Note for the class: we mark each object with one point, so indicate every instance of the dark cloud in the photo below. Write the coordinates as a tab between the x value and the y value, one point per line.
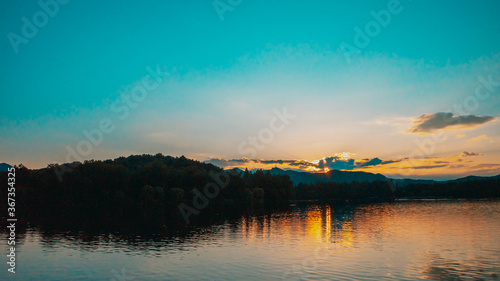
300	163
428	123
426	167
235	162
392	161
335	163
373	162
332	163
276	161
227	163
466	154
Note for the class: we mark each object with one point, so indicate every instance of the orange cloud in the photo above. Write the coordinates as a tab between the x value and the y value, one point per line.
479	138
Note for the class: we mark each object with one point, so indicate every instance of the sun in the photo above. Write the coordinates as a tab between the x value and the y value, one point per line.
327	170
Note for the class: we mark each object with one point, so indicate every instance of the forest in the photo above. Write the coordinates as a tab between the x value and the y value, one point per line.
156	190
385	191
142	189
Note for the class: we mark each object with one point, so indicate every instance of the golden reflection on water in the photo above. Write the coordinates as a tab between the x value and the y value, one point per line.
314	227
431	240
427	240
320	229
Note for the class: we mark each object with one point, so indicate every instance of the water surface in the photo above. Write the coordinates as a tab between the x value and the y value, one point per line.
406	240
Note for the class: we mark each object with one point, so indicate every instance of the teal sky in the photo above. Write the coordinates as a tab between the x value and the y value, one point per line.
226	77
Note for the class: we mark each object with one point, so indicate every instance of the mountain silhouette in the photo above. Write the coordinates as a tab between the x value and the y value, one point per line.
474	178
330	176
4	167
349	176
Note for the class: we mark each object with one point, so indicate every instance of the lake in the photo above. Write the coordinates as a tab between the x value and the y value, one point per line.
405	240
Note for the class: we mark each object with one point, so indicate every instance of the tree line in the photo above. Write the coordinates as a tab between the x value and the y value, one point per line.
148	190
143	188
384	191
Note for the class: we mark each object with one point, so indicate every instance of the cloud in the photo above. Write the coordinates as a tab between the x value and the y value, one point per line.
227	163
426	167
466	154
428	123
278	162
392	161
479	138
461	163
341	161
335	163
373	162
486	165
223	163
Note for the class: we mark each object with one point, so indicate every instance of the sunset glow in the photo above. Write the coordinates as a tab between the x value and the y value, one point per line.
259	101
250	140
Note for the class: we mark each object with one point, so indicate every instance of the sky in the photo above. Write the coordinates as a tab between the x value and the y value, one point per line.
403	88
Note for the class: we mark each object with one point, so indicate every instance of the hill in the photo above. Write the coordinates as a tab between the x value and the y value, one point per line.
331	176
474	178
4	167
139	189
